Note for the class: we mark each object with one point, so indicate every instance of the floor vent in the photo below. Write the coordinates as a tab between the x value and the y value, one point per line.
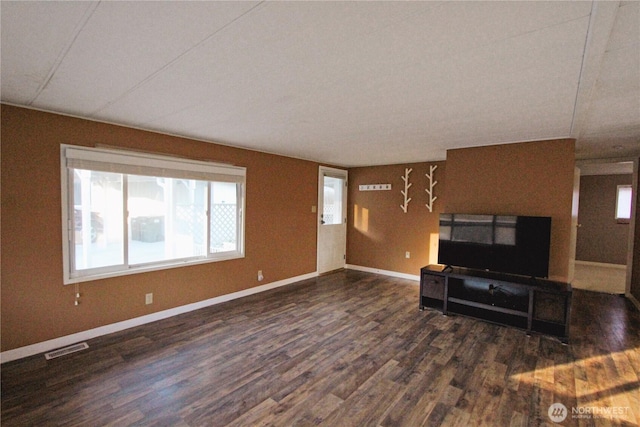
66	350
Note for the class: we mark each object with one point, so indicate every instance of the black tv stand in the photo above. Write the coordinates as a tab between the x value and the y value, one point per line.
529	303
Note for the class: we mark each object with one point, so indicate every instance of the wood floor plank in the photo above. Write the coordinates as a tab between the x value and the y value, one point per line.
367	404
348	348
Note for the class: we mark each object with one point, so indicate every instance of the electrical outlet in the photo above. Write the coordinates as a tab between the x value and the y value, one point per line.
260	276
148	299
407	254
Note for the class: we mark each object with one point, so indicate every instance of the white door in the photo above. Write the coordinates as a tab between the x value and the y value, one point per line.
332	219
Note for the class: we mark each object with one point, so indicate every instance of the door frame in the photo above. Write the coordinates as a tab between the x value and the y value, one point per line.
634	213
573	235
632	230
337	173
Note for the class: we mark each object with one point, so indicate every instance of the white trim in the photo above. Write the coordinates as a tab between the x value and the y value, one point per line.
633	299
42	347
334	173
136	162
162	132
413	277
632	230
437	157
159	266
601	264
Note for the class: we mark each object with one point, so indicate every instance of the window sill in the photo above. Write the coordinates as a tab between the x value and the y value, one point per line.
89	277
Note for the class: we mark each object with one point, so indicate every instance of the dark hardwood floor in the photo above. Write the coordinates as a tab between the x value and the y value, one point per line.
346	349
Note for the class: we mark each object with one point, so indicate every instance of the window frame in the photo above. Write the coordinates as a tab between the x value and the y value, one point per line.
619	219
125	162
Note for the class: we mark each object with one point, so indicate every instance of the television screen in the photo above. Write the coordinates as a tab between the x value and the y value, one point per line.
503	243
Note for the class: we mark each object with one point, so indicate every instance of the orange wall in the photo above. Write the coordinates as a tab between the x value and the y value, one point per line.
36	306
531	178
379	232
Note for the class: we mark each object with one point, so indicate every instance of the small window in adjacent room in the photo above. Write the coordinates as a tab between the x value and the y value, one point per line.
623	204
127	212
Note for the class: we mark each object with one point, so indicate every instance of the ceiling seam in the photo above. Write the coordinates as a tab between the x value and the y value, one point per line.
572	130
174	60
63	53
601	23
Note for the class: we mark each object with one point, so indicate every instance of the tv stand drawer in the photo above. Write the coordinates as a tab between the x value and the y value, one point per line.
432	291
432	287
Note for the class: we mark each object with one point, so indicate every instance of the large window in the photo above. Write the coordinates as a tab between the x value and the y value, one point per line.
127	212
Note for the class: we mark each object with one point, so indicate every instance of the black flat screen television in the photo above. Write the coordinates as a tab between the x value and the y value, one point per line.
502	243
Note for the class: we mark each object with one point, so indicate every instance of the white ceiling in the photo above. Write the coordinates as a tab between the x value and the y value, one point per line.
346	83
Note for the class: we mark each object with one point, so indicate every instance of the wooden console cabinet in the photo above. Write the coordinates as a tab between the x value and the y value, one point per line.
532	304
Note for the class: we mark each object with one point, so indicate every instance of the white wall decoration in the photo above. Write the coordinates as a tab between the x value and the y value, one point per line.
374	187
405	192
429	189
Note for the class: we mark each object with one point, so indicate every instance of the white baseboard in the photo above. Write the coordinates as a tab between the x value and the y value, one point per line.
633	300
42	347
413	277
601	264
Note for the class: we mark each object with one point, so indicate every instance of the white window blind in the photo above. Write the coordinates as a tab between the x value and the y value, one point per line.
150	165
